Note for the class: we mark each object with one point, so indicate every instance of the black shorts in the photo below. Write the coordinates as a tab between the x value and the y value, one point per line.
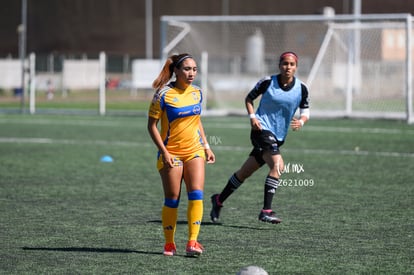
264	141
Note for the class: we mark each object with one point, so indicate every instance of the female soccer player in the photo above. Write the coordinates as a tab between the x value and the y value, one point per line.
282	95
182	147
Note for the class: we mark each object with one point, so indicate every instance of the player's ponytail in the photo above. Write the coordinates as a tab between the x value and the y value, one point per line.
167	71
165	74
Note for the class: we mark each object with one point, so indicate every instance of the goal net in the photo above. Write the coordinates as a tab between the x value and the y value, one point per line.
353	66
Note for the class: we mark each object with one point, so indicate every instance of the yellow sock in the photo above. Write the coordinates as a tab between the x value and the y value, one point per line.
194	216
169	223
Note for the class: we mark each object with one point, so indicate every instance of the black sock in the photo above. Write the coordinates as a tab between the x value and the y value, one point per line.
230	187
271	184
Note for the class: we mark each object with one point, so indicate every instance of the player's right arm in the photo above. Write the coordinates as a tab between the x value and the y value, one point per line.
154	115
258	89
254	122
156	137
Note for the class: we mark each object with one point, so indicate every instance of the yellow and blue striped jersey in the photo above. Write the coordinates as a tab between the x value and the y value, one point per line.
179	113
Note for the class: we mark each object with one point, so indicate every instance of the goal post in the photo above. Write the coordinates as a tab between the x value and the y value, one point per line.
354	66
409	69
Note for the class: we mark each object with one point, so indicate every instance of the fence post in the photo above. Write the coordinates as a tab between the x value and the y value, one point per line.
102	84
32	79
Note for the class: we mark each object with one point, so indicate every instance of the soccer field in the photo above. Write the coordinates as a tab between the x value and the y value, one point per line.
346	199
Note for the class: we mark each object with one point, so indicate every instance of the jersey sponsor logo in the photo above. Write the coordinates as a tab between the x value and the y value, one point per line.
183	113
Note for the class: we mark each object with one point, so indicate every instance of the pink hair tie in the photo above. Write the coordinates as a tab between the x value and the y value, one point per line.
285	54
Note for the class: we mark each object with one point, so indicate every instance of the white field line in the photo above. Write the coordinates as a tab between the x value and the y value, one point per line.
218	147
71	142
320	129
74	122
207	125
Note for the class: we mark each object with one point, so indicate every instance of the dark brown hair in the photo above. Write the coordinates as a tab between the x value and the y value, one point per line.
283	55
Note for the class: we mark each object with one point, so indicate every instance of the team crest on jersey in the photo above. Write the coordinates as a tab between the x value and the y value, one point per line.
195	96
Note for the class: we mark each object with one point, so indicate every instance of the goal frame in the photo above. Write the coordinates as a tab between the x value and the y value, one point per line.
168	47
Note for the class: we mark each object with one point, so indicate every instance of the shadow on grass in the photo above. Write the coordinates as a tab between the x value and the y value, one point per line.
221	224
89	249
97	250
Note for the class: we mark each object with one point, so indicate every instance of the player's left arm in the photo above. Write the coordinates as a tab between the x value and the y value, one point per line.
210	157
304	111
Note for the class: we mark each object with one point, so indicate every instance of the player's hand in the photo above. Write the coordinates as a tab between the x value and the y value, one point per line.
255	124
210	157
295	124
168	160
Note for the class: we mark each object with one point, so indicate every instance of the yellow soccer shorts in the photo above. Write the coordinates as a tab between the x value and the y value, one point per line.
179	160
